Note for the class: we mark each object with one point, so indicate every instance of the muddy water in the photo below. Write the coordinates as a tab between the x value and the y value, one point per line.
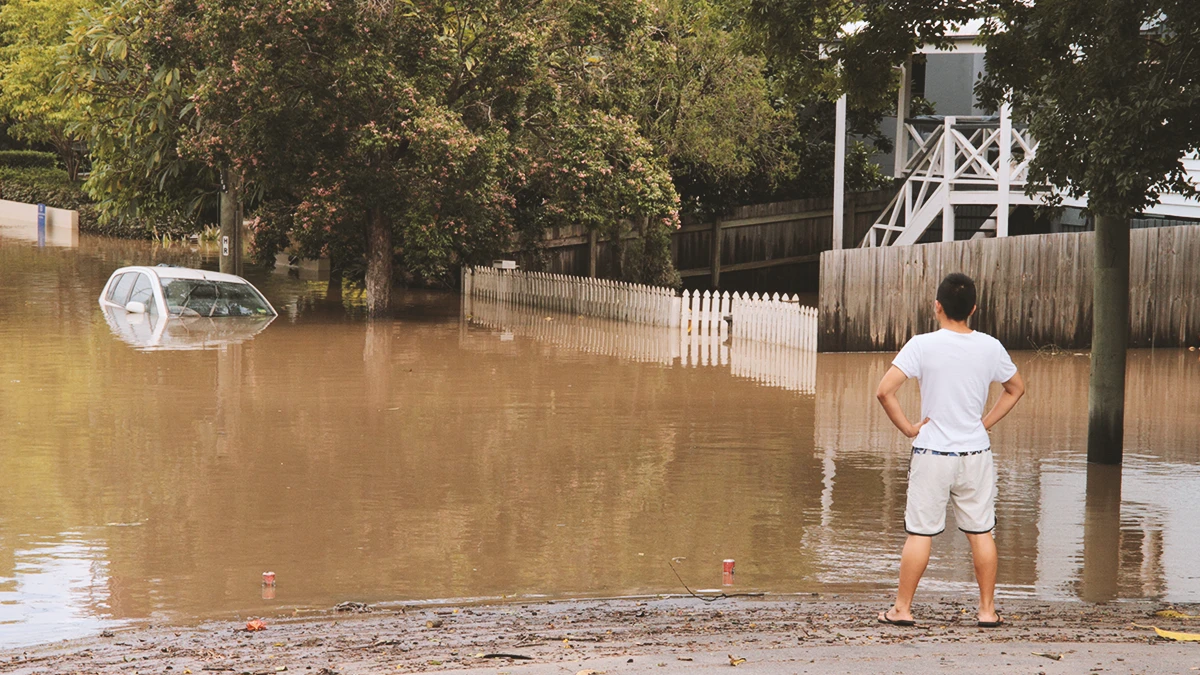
485	452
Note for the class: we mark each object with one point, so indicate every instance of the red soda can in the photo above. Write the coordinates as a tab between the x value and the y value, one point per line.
268	578
727	566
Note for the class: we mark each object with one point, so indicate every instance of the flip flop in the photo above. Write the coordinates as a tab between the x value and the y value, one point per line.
991	624
883	618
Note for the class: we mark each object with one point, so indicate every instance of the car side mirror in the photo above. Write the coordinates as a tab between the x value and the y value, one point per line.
135	307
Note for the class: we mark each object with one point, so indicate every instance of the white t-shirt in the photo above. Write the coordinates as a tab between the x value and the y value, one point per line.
954	371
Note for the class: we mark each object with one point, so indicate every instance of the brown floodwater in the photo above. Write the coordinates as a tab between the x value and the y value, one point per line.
488	452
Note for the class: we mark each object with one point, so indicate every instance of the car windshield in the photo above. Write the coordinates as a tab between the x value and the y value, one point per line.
201	297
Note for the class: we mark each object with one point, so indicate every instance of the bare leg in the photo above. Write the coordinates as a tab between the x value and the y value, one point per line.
983	551
913	561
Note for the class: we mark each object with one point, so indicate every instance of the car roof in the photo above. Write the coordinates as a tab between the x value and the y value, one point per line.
172	272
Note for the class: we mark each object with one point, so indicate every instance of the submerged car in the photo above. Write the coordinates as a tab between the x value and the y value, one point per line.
183	292
171	308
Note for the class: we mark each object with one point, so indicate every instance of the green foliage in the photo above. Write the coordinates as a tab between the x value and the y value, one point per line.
53	187
444	118
132	104
1111	90
702	100
30	33
468	125
20	159
41	185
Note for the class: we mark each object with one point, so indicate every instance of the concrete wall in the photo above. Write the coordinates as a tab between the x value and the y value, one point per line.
19	221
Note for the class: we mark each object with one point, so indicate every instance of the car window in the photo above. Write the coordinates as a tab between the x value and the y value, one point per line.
120	290
202	297
143	292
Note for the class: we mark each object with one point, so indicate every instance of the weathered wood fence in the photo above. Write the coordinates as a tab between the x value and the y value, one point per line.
777	319
748	238
1034	291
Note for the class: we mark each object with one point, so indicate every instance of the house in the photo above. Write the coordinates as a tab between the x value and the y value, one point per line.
961	172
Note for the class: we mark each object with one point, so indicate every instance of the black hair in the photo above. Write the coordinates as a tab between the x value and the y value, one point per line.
957	295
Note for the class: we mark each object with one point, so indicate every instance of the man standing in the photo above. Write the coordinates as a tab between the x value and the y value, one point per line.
951	451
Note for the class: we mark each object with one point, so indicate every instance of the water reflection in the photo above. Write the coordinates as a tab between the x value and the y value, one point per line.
773	365
53	589
154	332
438	457
51	235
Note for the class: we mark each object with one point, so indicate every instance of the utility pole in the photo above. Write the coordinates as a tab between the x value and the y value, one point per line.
231	223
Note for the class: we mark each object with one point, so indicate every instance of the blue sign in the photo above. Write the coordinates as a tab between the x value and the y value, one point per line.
41	224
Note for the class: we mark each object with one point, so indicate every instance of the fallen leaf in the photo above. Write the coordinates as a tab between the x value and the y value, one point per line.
256	625
733	661
1172	635
1056	657
433	623
434	663
1172	614
683	658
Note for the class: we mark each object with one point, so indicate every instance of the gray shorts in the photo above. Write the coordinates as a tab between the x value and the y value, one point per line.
965	480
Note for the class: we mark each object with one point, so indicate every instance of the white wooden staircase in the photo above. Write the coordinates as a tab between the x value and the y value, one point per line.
979	161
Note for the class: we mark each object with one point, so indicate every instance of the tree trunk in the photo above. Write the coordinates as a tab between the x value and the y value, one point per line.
1110	339
379	264
231	223
67	153
333	291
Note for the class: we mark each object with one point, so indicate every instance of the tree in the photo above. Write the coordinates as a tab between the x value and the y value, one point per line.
130	100
418	132
30	33
1111	90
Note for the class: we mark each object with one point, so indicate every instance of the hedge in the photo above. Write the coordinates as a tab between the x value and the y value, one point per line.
23	159
52	187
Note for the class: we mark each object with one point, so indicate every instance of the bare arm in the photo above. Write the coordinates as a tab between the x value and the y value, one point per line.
1014	389
886	393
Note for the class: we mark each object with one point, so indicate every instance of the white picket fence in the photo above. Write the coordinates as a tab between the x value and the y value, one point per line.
634	303
780	320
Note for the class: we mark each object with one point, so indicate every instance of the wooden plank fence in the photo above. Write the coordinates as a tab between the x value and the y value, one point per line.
776	319
1034	291
747	238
